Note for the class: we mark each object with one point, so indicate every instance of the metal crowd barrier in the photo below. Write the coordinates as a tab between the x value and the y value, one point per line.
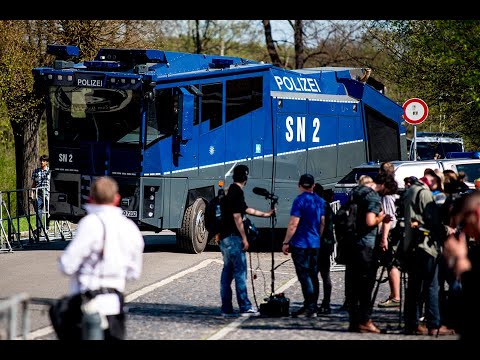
21	204
14	206
9	312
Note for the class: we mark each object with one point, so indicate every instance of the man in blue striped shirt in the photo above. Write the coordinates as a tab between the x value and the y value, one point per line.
41	181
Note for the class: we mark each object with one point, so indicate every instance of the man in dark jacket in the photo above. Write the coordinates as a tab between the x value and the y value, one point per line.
424	236
362	266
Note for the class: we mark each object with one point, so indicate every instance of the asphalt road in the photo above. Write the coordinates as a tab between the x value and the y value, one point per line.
177	297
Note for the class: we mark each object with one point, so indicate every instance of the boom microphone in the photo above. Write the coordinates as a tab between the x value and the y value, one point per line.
264	192
261	191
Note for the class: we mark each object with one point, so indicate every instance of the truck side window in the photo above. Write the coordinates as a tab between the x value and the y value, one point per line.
166	106
243	96
212	104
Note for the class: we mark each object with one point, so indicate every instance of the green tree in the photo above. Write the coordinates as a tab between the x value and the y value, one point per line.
23	107
436	60
22	47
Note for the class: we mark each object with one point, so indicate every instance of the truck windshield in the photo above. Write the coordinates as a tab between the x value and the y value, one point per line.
86	114
427	150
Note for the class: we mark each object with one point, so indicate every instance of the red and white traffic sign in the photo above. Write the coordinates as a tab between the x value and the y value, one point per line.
415	111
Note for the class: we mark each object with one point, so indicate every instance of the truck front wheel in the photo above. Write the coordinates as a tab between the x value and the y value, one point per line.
192	237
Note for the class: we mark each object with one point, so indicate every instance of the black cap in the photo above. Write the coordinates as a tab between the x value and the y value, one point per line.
306	181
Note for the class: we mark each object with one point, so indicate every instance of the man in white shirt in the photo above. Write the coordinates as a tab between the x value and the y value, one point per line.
106	251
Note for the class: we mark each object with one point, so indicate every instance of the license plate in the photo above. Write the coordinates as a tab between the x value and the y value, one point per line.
130	213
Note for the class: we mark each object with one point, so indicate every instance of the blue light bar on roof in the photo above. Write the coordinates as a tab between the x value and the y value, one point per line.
155	56
221	63
63	52
131	56
463	154
102	65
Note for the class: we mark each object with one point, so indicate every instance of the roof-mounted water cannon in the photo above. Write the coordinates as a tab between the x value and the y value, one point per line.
63	52
65	55
136	59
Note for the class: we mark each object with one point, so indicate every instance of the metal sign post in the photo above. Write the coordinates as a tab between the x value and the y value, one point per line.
415	111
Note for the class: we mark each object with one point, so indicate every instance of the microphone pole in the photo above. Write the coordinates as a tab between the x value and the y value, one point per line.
273	201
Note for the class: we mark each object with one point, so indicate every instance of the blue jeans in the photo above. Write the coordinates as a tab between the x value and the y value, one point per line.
234	267
422	288
306	267
40	208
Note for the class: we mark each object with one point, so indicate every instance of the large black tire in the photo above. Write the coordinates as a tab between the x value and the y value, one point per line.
192	237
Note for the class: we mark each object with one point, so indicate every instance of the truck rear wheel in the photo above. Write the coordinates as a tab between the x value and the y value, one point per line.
192	237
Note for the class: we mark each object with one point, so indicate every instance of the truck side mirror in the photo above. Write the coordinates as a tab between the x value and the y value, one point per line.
186	114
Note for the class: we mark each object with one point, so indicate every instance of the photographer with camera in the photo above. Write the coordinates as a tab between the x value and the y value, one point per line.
234	244
361	268
302	240
424	235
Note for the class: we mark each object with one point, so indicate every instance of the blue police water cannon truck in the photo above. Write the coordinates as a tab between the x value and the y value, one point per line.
169	126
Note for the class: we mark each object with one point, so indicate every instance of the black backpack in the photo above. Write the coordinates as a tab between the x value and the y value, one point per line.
213	214
346	228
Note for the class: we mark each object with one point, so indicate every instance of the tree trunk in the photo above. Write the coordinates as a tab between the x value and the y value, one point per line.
299	47
198	42
26	157
272	51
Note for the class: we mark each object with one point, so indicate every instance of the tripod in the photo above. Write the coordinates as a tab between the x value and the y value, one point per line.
387	266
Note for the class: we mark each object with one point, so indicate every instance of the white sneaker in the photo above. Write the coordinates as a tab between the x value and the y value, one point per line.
250	312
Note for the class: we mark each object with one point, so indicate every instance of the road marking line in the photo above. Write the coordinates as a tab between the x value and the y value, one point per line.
230	327
287	285
166	281
235	324
49	329
40	332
